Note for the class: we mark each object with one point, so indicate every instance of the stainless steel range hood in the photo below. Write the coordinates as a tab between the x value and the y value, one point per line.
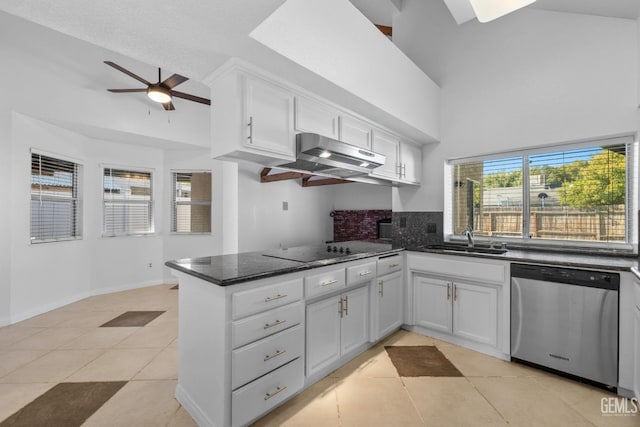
318	154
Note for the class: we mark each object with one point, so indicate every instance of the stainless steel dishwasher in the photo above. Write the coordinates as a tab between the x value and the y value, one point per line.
566	320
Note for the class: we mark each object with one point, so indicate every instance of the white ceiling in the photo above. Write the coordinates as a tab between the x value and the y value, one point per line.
613	8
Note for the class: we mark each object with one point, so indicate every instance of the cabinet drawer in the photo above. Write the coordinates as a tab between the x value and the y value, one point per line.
361	273
264	298
260	396
262	325
389	264
256	359
324	282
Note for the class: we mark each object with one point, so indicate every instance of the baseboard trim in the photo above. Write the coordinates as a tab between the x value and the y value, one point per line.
190	406
27	314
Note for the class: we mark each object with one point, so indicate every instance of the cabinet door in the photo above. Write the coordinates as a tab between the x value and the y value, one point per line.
386	144
323	334
390	312
312	116
268	114
355	132
475	313
410	162
355	321
432	303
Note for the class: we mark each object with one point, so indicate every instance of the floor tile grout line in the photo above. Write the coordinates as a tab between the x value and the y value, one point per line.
502	416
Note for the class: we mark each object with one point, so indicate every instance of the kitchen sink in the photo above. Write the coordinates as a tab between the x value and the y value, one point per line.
454	247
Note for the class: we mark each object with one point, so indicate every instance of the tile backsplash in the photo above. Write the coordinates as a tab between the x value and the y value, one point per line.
357	224
413	229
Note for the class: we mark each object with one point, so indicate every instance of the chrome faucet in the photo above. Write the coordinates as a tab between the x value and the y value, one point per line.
469	233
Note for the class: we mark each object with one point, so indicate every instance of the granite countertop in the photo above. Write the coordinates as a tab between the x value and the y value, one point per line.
618	262
225	270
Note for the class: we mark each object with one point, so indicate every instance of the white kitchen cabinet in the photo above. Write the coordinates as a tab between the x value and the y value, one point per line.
355	132
388	145
432	303
315	117
465	310
268	113
410	164
389	300
336	326
475	315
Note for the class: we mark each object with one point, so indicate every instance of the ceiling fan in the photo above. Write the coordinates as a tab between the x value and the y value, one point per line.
162	91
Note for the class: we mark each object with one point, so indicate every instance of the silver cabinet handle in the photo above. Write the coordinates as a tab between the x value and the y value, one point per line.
276	354
455	292
448	291
276	323
250	125
328	282
274	392
275	297
403	170
381	288
346	305
394	265
365	273
340	307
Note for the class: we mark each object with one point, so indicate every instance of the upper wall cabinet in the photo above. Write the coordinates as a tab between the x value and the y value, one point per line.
268	113
255	118
315	117
252	119
355	132
388	145
403	162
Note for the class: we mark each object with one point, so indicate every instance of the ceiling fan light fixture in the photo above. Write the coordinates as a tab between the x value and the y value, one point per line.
488	10
159	94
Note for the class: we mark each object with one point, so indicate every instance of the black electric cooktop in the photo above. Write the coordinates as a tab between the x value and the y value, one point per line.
334	250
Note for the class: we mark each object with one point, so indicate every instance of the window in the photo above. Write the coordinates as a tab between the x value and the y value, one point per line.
55	201
191	202
579	193
127	202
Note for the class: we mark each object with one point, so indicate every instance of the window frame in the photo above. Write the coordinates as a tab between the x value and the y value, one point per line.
151	202
174	203
631	202
76	199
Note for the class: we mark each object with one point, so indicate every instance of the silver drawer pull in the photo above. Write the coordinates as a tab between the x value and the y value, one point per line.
276	354
328	282
394	265
269	299
365	273
276	323
274	392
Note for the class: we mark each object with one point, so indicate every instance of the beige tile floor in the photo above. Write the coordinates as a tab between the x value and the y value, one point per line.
68	345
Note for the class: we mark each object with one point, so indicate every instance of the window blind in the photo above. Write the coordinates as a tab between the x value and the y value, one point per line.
127	202
191	202
55	202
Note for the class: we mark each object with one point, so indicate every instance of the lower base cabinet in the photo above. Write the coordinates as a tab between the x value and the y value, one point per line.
336	326
390	303
462	309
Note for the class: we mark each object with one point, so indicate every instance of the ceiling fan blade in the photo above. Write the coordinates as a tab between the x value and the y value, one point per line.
168	106
127	72
174	81
126	90
190	97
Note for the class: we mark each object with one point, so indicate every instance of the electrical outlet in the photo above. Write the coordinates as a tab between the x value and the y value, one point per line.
431	227
403	222
149	265
285	206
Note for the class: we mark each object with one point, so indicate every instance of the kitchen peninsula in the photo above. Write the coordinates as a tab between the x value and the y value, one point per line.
256	328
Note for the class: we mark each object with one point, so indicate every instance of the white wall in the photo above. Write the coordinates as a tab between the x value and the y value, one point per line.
530	78
359	196
263	222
